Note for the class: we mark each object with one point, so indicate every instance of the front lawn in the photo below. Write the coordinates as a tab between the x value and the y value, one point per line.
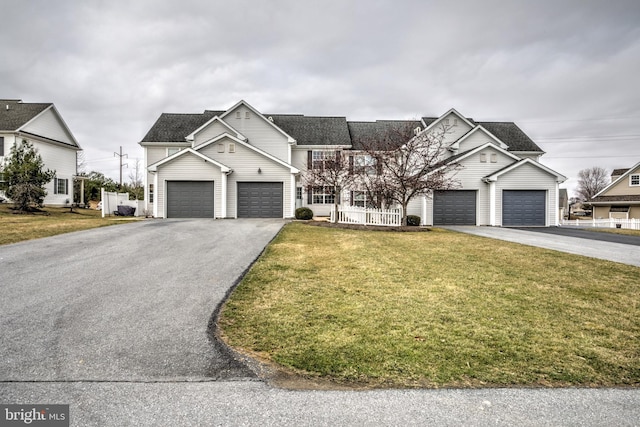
436	309
49	222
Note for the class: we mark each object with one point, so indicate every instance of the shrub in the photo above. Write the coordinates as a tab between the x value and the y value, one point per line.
304	213
413	220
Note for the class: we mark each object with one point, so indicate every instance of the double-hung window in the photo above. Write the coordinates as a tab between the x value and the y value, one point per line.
365	164
60	186
319	158
323	196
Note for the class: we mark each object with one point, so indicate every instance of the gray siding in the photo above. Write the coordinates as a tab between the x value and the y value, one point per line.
214	129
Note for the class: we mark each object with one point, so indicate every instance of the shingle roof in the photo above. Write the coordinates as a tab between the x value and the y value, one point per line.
381	132
308	130
604	199
618	172
312	130
171	127
512	135
18	113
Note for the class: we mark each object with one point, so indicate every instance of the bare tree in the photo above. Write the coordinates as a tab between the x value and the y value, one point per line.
590	182
408	163
329	174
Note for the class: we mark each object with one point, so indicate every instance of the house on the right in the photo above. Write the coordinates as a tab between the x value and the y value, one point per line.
621	198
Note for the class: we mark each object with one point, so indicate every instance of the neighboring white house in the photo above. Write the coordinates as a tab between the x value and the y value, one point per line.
242	163
42	125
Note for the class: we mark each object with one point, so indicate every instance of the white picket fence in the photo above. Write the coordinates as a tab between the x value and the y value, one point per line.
366	216
631	224
110	202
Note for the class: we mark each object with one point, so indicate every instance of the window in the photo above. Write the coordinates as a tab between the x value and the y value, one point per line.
483	158
1	146
634	179
320	157
494	158
246	115
172	150
299	193
237	114
232	147
446	122
221	147
323	196
60	186
455	122
364	164
359	198
150	193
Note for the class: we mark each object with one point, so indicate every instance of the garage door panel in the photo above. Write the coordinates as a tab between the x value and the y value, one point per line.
524	208
190	199
260	200
454	207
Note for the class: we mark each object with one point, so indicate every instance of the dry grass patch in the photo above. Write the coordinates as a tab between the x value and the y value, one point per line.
49	222
436	309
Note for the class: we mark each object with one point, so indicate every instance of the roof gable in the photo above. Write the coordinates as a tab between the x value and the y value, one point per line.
154	167
215	119
14	113
631	171
243	103
476	130
495	175
248	146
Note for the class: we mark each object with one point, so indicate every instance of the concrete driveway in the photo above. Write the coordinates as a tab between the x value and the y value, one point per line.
623	249
125	303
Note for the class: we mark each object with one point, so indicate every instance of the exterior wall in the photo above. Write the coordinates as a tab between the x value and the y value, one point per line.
603	212
187	168
477	139
214	129
634	212
623	188
49	125
528	177
245	164
455	131
299	158
600	212
259	132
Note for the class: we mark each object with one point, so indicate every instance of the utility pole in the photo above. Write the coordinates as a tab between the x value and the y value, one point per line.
121	165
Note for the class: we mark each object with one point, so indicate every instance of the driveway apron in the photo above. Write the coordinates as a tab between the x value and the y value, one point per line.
124	303
575	242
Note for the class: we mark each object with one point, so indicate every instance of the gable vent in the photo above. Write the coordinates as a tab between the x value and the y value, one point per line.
417	130
270	119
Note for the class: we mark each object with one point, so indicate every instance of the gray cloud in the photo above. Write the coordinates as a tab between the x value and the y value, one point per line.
564	71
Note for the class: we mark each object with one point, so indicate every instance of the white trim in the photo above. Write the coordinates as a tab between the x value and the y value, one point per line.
290	139
631	171
250	147
154	167
439	119
492	203
155	195
293	196
223	195
324	147
191	137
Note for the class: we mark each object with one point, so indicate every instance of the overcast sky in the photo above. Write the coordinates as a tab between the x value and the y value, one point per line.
567	72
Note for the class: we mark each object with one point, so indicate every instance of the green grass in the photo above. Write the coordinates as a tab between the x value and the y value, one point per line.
624	231
436	309
51	221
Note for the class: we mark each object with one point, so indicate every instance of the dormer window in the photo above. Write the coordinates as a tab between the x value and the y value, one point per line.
246	115
483	158
634	179
238	116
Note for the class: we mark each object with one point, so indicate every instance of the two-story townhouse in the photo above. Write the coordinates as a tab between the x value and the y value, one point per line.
42	125
242	163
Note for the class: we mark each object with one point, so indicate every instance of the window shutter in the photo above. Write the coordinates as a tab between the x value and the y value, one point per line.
350	165
55	185
338	195
351	196
309	193
309	159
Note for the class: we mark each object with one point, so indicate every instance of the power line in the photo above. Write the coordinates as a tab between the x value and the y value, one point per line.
121	165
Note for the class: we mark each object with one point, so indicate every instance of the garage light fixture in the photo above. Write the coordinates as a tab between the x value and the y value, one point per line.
259	170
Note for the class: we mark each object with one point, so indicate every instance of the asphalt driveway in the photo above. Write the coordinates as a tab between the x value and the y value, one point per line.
623	249
125	303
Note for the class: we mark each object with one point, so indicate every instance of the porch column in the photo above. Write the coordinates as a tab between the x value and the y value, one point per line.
292	210
223	195
492	203
424	210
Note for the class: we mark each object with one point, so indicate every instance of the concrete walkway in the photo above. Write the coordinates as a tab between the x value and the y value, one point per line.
610	251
